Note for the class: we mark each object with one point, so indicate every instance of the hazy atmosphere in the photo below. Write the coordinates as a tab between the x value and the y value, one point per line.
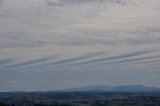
57	44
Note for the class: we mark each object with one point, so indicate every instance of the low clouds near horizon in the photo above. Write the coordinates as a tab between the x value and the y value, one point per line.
112	42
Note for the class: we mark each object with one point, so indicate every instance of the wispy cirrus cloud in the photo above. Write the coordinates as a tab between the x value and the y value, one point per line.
122	58
74	59
4	61
32	62
79	35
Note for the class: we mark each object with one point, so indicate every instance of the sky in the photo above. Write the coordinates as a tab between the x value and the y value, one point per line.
57	44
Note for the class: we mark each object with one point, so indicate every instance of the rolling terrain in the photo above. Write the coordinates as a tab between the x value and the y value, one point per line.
131	95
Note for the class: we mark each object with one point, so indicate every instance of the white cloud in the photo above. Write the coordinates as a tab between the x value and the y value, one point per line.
45	80
154	76
12	82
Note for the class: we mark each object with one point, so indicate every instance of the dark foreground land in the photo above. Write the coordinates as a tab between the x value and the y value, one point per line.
79	99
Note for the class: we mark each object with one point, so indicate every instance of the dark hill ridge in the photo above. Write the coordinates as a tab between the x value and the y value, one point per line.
88	94
93	96
49	98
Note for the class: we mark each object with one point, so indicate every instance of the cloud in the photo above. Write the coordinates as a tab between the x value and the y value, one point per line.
54	36
45	80
100	23
42	24
4	61
154	76
12	82
147	59
31	62
123	56
74	59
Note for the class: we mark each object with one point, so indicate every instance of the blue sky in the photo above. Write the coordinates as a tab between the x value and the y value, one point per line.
54	44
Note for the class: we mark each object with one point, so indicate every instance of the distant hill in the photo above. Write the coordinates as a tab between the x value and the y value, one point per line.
136	88
106	88
100	95
90	88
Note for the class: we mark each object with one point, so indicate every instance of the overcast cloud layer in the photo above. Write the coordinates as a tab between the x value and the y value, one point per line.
52	44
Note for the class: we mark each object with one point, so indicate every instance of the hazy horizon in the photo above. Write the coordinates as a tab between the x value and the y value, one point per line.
58	44
82	88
